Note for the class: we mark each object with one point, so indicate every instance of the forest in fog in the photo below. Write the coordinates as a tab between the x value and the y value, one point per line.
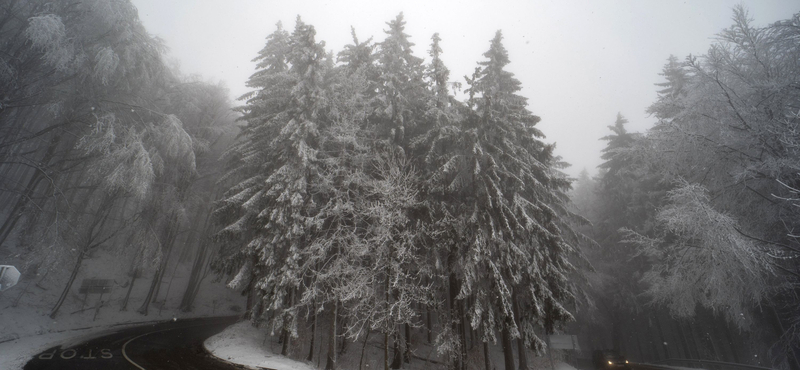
350	193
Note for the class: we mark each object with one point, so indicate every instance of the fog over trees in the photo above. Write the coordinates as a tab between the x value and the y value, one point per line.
702	208
351	194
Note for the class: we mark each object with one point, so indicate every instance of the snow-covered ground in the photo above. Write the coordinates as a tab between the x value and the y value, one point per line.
244	344
27	329
15	353
564	366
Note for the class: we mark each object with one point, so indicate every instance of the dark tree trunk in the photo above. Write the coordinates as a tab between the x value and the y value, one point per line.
92	231
521	354
363	348
15	214
343	325
653	343
661	338
310	356
639	346
143	309
429	323
791	357
455	318
487	362
385	351
169	243
397	358
197	268
194	280
330	363
684	342
731	343
69	284
130	288
508	350
168	237
251	300
407	351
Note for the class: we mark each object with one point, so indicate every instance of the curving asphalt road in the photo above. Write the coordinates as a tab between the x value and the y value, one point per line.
169	345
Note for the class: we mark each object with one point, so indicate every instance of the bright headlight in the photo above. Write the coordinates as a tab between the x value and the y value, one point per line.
626	361
610	363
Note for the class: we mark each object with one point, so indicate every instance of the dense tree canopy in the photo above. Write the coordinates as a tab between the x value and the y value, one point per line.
356	186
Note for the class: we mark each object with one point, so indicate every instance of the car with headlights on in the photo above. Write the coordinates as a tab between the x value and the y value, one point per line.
609	359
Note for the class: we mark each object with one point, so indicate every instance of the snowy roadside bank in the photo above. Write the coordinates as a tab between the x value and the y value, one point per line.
15	353
243	344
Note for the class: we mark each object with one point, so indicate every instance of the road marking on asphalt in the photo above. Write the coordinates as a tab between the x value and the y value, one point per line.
148	333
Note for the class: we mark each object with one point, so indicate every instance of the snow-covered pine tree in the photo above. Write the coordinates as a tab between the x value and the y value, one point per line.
503	208
274	206
673	90
357	55
401	89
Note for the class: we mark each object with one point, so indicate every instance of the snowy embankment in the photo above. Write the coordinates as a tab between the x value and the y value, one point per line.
27	329
15	353
244	344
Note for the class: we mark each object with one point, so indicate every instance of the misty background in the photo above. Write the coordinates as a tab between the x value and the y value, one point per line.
580	62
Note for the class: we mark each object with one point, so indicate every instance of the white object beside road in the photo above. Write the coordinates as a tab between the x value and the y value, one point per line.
9	276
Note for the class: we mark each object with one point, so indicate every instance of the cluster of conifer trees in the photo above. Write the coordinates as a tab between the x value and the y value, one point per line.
362	191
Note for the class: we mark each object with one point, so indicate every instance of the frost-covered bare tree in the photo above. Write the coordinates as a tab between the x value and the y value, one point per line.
91	144
726	140
703	259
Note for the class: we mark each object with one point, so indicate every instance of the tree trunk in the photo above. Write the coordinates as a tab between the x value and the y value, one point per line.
487	362
791	357
16	213
455	319
653	345
251	300
130	288
71	280
684	342
285	332
523	357
330	363
343	324
731	343
143	309
385	351
639	347
508	351
429	323
363	347
33	183
194	279
197	267
397	358
169	243
313	332
407	351
662	340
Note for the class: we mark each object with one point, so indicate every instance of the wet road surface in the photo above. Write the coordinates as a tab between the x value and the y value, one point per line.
173	345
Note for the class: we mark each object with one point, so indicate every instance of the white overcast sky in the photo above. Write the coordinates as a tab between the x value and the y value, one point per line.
580	62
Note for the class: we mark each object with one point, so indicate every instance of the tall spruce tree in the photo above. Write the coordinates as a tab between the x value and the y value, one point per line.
504	205
401	90
275	206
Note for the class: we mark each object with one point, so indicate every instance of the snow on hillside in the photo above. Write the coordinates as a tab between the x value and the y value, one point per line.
244	344
26	328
